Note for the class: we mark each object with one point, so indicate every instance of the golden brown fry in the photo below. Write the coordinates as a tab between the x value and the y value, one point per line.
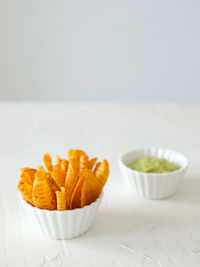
76	199
71	179
97	166
48	162
102	172
78	153
28	175
42	195
91	188
59	175
70	154
92	163
61	199
64	165
67	185
94	182
84	164
58	160
75	154
41	175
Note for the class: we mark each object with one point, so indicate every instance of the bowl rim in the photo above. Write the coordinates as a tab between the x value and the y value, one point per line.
61	211
151	173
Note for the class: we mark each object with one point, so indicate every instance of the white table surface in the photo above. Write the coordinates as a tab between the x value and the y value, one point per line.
127	231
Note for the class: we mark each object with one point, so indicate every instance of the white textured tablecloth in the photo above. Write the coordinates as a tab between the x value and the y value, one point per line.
127	231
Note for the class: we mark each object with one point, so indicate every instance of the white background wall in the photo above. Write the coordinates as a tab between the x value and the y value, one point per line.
139	50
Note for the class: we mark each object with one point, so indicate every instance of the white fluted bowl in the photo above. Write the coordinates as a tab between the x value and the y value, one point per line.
62	224
153	185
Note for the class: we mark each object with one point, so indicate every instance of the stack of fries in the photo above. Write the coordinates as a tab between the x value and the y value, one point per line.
69	184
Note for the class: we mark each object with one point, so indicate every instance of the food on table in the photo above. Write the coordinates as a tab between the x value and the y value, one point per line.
69	184
153	165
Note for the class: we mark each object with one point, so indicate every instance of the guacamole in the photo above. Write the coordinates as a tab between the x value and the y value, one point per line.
153	165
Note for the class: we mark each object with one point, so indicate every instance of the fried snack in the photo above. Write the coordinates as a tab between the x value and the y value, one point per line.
26	190
84	163
78	153
75	154
48	162
71	179
97	166
76	199
58	160
59	175
61	199
64	165
78	162
101	172
69	184
70	154
91	163
91	188
28	175
42	195
41	175
95	182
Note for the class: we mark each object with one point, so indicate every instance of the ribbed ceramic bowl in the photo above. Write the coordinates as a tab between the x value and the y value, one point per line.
62	224
153	185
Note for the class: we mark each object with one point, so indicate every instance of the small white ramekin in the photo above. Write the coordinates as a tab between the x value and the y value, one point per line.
153	185
62	224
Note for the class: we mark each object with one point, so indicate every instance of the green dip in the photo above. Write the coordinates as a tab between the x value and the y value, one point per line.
153	165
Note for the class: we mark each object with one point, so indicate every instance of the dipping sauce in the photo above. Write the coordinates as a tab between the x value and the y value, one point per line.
153	165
